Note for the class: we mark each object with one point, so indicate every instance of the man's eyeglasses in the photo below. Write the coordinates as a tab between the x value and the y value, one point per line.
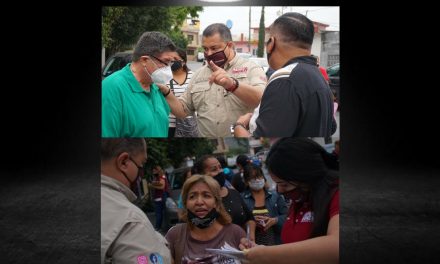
164	63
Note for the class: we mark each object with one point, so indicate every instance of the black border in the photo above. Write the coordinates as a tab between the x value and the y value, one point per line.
51	127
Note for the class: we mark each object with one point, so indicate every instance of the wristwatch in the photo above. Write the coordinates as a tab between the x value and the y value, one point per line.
235	86
167	93
237	124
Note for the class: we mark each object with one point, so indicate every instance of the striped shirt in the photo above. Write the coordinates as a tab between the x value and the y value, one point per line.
178	90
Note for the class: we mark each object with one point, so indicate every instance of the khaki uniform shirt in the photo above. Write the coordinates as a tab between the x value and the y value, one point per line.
217	108
127	235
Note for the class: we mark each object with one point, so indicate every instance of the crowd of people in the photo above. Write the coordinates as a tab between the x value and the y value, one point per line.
298	222
157	95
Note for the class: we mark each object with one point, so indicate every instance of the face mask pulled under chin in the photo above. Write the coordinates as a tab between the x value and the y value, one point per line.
205	221
161	75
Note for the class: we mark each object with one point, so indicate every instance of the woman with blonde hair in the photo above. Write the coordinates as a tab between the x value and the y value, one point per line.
208	225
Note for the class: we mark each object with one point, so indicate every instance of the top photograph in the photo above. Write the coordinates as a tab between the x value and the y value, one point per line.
219	71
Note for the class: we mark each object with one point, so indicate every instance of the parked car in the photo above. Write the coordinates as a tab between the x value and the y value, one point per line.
260	61
176	180
200	56
244	55
333	75
116	62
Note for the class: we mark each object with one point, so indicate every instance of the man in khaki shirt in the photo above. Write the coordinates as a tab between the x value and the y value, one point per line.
221	91
127	236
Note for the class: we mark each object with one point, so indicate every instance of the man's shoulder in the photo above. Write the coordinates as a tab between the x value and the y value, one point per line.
115	83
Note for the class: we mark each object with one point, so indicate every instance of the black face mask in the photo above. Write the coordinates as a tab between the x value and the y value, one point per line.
269	53
219	58
176	65
204	222
133	184
220	178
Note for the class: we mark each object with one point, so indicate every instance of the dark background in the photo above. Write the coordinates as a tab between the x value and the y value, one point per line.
50	105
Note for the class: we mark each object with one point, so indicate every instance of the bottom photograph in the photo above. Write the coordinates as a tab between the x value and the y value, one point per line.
224	200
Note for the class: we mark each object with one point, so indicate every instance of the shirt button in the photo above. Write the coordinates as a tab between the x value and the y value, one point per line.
217	124
218	105
300	213
218	90
296	220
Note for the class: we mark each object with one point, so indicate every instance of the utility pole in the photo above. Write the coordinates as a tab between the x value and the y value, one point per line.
249	39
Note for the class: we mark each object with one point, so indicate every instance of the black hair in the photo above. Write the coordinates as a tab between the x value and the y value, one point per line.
304	161
222	161
222	29
294	28
252	170
242	160
112	147
182	54
199	165
152	43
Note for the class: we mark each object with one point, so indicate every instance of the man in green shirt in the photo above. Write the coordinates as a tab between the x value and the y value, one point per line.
132	103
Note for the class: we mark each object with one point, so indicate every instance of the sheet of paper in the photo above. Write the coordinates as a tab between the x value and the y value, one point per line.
228	251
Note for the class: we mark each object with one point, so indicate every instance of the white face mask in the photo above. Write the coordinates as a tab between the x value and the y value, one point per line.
161	75
256	184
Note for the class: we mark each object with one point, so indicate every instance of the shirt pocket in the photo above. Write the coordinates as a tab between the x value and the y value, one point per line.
199	95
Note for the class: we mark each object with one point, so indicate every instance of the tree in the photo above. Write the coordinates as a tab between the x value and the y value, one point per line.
173	151
122	26
261	35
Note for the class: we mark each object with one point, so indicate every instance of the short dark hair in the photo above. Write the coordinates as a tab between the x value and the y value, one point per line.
294	28
112	147
242	160
251	171
152	43
182	54
220	28
199	165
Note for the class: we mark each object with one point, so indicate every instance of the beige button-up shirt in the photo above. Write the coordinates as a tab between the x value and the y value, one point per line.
217	108
127	235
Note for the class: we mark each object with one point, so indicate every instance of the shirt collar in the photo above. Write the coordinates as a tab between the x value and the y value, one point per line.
302	59
118	186
135	86
232	62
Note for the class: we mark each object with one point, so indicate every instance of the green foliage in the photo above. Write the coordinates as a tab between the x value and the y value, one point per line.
173	151
122	26
261	35
179	39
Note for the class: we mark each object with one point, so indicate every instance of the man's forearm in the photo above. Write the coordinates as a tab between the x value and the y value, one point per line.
176	106
250	95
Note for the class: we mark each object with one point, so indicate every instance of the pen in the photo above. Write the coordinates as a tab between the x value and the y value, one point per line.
247	234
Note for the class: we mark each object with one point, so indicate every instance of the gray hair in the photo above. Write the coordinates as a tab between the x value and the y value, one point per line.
152	43
222	29
112	147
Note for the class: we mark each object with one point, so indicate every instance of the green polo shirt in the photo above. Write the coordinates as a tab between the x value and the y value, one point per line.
130	111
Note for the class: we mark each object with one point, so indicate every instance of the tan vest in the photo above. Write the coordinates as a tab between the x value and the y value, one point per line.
217	108
127	236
